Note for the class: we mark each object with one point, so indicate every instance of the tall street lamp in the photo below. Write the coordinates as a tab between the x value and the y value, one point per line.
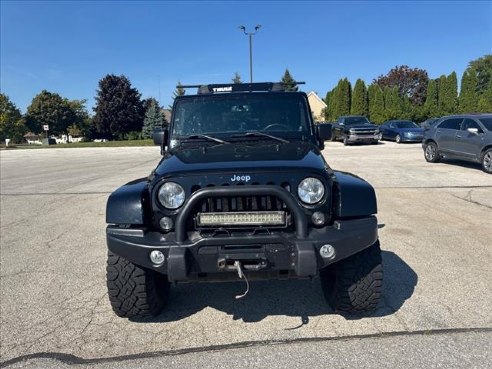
250	34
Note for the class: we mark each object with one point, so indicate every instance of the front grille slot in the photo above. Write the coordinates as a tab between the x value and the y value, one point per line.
241	203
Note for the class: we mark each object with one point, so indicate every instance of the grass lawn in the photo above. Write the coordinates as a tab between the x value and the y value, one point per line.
85	144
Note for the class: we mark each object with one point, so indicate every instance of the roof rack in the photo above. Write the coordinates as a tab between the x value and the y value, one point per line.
241	87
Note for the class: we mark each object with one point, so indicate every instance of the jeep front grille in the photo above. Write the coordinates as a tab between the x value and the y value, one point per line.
243	206
241	203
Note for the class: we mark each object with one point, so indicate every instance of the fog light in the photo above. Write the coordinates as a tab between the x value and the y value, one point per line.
157	257
166	223
327	252
318	218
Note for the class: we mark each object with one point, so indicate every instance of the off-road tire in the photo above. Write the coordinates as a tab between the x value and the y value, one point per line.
354	285
345	141
432	158
333	136
135	292
485	160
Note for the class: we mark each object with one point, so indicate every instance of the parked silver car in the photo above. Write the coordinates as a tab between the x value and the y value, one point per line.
466	137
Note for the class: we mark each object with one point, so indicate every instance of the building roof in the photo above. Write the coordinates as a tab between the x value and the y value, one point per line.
31	135
315	95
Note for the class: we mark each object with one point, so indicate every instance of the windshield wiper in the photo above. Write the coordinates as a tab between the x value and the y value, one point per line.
261	134
210	138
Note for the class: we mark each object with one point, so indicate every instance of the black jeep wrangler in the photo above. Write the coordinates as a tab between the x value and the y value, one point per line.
242	192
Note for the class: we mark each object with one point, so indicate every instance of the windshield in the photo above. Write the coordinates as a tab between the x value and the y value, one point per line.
487	122
356	120
406	124
236	114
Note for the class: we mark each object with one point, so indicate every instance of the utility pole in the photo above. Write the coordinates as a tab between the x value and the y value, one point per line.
250	35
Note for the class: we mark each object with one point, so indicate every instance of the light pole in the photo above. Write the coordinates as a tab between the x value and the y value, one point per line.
250	34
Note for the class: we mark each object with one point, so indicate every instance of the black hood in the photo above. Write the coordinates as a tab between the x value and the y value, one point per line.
242	156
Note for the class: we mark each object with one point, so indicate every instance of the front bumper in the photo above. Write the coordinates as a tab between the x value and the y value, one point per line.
264	256
411	138
363	138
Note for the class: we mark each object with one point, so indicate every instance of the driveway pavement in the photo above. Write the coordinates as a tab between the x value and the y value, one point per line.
435	234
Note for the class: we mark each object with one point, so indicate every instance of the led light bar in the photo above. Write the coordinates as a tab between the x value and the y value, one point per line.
242	218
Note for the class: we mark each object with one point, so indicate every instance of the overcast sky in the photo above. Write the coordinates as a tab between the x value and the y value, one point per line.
67	47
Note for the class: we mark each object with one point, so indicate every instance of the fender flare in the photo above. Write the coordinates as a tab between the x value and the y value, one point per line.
353	196
129	204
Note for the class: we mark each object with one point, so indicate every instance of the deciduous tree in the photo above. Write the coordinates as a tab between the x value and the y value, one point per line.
485	100
48	108
483	69
12	124
411	82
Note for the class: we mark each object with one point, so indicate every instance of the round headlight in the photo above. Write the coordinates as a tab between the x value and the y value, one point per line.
171	195
311	190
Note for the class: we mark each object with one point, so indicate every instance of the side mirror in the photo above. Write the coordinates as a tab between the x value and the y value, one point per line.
160	135
323	131
473	130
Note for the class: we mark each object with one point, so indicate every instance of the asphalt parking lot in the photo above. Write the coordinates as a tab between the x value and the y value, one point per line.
435	234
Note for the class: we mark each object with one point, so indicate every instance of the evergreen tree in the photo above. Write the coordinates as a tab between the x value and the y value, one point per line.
237	78
392	103
453	92
359	104
371	99
408	111
377	113
448	94
119	109
289	82
326	111
331	104
468	99
485	100
431	108
342	98
153	119
179	91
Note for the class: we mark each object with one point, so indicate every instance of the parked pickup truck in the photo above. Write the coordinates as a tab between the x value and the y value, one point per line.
355	128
